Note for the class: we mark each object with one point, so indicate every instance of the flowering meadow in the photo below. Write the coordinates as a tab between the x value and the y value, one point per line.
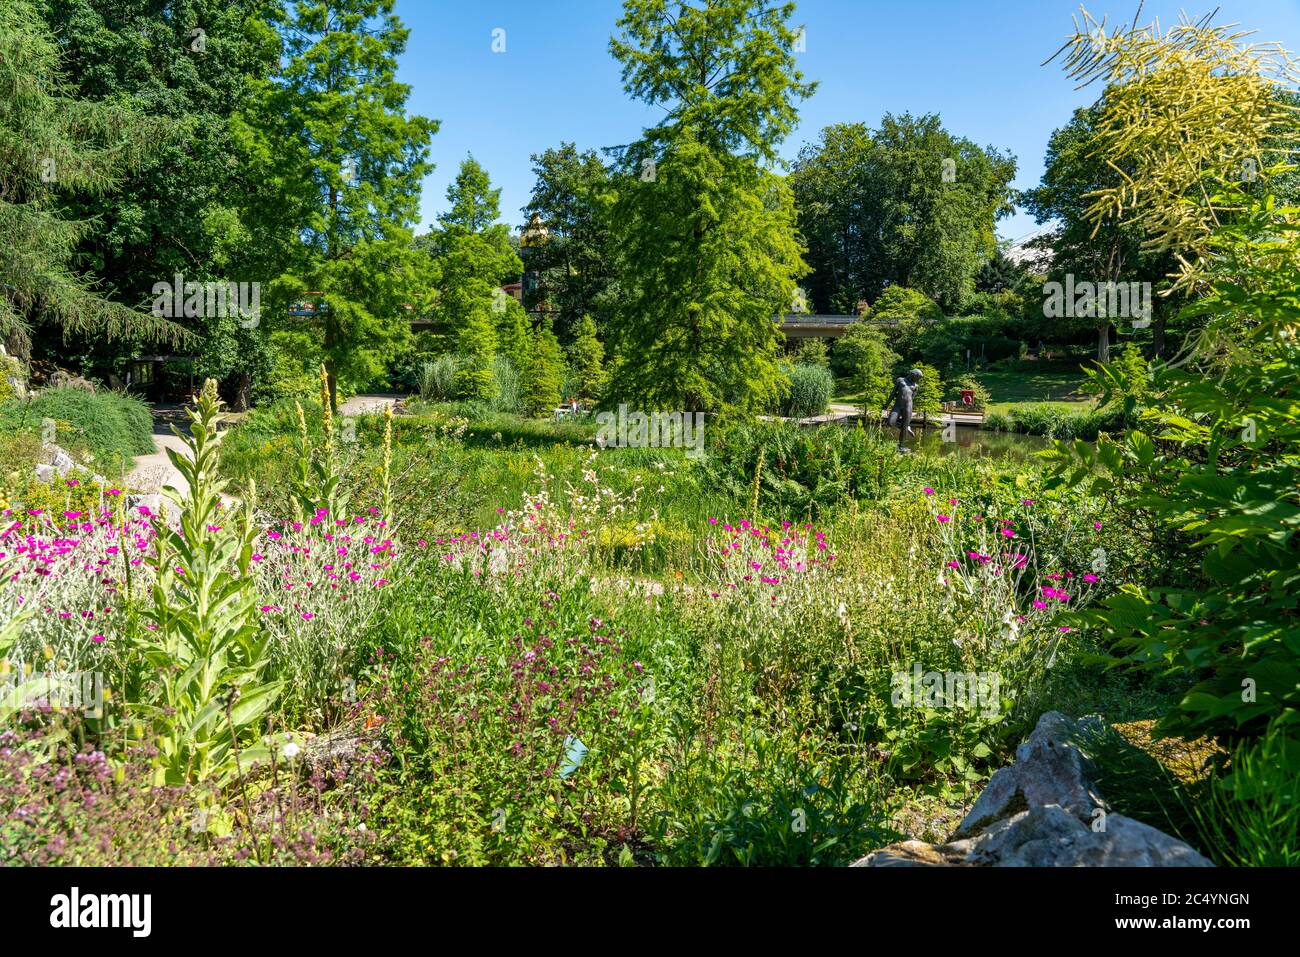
615	667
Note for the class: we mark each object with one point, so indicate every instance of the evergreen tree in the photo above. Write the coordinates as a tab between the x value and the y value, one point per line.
514	334
477	343
55	145
544	374
332	128
189	206
587	360
709	254
474	257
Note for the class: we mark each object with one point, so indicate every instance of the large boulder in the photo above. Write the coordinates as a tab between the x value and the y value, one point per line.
1043	811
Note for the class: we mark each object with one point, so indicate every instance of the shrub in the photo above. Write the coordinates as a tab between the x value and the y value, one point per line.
812	352
929	395
899	302
981	397
111	427
863	355
809	391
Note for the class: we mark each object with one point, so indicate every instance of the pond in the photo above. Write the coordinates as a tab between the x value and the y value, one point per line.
971	441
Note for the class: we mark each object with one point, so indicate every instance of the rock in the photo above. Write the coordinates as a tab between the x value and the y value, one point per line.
1048	770
62	379
1043	811
46	473
59	459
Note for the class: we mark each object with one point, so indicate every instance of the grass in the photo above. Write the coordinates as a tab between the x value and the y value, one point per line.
719	635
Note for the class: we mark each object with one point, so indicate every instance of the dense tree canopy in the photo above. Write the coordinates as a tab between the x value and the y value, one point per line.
907	204
709	253
574	265
59	145
336	135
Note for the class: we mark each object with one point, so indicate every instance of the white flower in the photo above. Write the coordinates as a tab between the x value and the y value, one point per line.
291	750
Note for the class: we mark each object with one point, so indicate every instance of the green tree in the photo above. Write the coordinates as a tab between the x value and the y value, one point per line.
333	130
1109	249
929	394
723	69
574	264
514	333
711	257
185	208
909	204
544	374
477	343
474	256
58	145
587	360
898	302
708	248
867	360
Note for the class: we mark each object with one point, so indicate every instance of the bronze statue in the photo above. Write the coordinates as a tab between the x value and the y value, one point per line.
905	387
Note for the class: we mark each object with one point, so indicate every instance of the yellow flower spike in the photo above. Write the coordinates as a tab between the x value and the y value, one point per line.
4	666
108	694
48	652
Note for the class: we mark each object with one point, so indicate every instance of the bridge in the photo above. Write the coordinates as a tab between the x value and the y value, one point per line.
795	325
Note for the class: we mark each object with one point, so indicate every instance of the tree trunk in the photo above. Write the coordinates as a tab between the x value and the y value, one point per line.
242	388
1158	337
1103	342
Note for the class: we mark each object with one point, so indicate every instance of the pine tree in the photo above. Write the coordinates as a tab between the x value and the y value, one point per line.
514	334
351	161
587	360
544	374
474	257
710	259
709	252
478	349
57	145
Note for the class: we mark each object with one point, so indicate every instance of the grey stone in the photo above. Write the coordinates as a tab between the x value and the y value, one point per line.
1043	811
1048	770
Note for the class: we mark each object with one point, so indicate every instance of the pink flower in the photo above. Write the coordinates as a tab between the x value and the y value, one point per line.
1096	525
96	637
928	491
1090	577
942	518
1008	533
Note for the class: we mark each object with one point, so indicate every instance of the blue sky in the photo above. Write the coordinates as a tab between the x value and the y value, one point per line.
977	63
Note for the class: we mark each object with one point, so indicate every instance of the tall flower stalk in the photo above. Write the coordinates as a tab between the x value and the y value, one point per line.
203	635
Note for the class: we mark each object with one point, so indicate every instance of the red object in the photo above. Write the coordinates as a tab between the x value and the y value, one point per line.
967	396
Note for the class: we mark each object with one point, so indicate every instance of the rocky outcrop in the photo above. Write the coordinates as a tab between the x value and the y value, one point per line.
1043	811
